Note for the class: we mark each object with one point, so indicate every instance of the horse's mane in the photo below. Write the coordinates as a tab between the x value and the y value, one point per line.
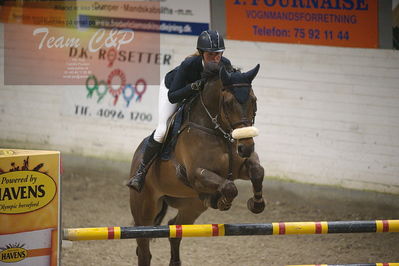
211	70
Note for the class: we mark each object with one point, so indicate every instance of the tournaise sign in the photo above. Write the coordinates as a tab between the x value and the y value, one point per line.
349	23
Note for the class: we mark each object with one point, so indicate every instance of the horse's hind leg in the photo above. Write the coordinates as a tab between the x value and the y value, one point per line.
256	204
144	208
188	211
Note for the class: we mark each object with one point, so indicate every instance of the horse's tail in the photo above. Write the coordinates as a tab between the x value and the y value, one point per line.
158	219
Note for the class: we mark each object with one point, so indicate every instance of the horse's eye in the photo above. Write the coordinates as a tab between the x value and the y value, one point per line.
228	100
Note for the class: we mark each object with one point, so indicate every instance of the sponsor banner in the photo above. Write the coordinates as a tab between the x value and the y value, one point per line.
68	42
38	190
174	16
184	28
143	25
348	23
33	248
29	207
184	17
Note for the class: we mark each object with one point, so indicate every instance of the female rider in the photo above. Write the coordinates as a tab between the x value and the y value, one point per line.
179	84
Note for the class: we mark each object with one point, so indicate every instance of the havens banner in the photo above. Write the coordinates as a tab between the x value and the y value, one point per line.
348	23
29	207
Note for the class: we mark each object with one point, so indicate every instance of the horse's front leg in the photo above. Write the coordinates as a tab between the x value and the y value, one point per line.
256	204
214	188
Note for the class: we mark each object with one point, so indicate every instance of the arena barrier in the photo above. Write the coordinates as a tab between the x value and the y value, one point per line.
208	230
361	264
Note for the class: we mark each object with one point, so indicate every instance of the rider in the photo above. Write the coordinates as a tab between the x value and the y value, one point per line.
180	84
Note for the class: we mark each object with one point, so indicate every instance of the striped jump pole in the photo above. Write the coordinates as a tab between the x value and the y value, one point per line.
361	264
205	230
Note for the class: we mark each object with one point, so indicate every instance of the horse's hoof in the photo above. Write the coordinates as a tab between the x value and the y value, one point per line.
225	207
223	204
229	190
256	206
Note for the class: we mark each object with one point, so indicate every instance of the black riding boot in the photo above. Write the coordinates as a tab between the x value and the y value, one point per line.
151	151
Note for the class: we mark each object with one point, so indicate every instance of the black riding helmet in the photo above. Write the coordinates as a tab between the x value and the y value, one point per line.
210	41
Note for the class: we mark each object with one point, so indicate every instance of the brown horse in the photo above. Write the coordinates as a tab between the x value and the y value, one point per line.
215	146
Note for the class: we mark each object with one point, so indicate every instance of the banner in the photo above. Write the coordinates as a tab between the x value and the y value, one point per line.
29	207
348	23
184	17
70	42
108	51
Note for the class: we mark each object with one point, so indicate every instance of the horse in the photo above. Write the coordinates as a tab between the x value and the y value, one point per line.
214	147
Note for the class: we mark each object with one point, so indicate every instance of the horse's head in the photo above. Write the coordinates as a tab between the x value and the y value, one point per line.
238	107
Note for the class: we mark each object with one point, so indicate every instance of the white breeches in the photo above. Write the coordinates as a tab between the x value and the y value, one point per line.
165	110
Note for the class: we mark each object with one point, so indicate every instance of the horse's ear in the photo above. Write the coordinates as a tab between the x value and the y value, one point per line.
224	76
251	74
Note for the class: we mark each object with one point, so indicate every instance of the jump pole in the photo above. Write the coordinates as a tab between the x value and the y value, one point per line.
209	230
361	264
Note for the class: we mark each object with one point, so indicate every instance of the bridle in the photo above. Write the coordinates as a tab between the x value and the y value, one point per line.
214	119
231	126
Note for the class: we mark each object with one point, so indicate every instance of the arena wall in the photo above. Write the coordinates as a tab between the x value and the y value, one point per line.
326	115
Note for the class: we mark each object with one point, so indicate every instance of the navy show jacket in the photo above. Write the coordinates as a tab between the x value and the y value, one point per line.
179	80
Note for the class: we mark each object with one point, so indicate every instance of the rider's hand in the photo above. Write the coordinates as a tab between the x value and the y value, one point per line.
198	85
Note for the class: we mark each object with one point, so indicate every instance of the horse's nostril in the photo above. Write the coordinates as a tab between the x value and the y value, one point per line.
244	151
240	148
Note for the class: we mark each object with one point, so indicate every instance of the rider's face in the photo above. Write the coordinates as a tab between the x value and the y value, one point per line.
212	57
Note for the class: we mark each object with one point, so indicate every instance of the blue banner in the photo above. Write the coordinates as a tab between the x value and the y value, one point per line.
169	27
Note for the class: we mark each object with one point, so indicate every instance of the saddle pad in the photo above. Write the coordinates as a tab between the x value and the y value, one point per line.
172	134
